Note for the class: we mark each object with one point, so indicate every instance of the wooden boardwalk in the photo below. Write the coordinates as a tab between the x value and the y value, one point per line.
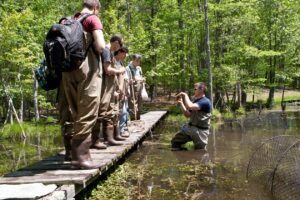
55	173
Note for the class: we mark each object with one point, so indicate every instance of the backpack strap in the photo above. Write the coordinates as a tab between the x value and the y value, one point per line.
83	17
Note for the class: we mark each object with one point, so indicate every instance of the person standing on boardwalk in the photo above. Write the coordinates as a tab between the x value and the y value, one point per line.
80	100
135	102
199	112
107	112
122	91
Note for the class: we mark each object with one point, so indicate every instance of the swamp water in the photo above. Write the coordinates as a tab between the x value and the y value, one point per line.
42	141
155	172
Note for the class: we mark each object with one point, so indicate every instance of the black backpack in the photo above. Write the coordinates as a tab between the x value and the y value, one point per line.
48	79
64	51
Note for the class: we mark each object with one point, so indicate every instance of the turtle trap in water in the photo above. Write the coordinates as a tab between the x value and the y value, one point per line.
276	163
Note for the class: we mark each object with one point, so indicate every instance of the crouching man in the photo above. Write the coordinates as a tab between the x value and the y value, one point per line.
199	112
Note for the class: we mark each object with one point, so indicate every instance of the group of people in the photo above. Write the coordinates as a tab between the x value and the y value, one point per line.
98	94
103	90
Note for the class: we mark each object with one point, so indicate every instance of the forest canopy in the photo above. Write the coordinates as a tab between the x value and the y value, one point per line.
253	44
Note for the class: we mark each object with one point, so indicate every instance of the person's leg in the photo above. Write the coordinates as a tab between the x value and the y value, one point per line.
179	139
124	119
139	100
82	89
116	120
200	138
110	134
65	122
96	143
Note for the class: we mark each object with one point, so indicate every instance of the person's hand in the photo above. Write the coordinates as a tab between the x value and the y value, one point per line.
182	94
116	94
122	70
179	98
121	96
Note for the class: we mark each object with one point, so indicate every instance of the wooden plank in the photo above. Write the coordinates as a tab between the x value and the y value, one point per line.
60	177
47	179
54	170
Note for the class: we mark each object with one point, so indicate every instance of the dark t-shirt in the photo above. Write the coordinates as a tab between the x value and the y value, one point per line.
106	55
204	104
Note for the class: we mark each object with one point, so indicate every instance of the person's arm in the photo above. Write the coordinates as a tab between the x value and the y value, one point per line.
188	103
109	69
121	78
185	111
138	74
99	43
108	64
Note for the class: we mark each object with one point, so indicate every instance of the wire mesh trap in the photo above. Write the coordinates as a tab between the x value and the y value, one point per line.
276	164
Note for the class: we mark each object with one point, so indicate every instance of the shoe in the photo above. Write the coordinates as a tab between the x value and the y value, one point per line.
125	133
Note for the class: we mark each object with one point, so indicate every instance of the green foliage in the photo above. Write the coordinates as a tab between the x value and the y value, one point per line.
175	110
228	114
43	103
250	40
240	111
216	114
30	129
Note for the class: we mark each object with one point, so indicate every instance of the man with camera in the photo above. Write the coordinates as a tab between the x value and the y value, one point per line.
199	112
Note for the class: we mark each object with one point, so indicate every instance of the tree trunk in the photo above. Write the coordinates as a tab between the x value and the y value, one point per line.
153	86
239	94
272	73
210	81
181	45
218	41
128	16
35	98
244	97
21	110
270	102
283	105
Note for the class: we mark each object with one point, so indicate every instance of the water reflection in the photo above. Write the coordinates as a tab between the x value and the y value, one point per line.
17	153
156	172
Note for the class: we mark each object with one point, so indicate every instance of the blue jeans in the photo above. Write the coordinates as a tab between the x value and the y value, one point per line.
124	116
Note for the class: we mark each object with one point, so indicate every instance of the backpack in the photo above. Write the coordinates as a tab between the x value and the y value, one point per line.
48	79
64	51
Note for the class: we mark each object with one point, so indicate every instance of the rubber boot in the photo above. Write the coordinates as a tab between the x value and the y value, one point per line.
104	127
110	136
96	143
81	157
117	133
138	116
68	147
